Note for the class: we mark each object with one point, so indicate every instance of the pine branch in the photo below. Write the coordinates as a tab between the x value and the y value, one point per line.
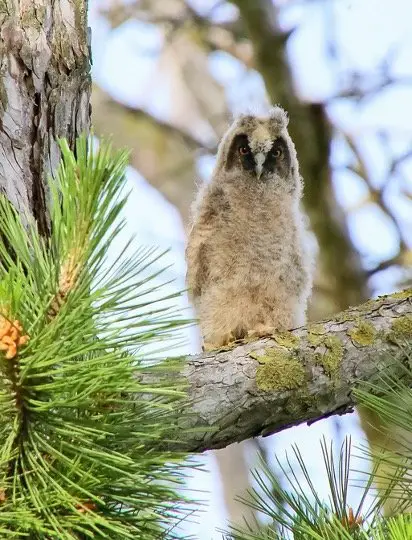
265	386
84	421
77	429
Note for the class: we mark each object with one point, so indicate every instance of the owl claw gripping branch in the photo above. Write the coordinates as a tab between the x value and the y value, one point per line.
248	264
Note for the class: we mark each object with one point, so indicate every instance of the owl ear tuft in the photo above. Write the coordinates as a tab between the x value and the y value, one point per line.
279	116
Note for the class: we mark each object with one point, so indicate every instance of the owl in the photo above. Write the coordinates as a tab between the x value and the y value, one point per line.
249	269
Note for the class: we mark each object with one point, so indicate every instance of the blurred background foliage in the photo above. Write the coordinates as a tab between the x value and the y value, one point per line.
169	75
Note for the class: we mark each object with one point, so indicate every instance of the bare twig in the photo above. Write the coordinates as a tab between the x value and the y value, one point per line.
377	196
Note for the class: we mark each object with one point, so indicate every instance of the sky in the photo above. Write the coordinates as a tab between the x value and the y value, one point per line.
363	32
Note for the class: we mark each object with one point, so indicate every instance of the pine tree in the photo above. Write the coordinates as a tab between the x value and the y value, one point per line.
79	432
87	416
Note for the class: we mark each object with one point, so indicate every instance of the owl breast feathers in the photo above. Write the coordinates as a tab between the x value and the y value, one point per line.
249	271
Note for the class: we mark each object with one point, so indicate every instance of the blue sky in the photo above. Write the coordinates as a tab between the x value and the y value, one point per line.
363	31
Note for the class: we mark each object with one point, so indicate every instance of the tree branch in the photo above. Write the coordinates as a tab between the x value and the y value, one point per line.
265	386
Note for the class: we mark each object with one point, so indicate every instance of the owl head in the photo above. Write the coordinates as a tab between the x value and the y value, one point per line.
257	151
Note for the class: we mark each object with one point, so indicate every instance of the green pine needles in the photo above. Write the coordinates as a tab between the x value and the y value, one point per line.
79	434
84	433
294	509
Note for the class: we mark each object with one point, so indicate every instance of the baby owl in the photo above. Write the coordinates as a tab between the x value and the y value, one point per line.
249	271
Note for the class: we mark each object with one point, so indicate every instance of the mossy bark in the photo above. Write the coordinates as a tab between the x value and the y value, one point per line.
44	94
262	387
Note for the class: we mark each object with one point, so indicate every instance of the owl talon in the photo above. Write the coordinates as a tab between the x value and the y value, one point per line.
207	347
261	331
225	345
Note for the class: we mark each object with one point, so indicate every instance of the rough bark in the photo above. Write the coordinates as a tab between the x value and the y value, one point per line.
44	94
265	386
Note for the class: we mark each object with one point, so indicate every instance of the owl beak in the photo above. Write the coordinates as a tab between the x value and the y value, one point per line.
259	161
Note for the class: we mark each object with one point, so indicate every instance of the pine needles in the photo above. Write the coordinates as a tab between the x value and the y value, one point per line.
78	430
83	438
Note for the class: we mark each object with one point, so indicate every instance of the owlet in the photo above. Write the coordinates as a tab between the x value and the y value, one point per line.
249	271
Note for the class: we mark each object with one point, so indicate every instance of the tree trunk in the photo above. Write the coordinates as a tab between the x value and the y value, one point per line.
44	95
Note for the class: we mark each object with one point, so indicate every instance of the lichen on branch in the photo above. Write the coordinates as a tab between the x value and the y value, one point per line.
262	387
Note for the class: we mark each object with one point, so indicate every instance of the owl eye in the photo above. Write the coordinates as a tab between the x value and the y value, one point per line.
243	150
277	152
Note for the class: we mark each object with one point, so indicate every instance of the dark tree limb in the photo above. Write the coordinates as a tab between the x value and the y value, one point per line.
312	133
265	386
